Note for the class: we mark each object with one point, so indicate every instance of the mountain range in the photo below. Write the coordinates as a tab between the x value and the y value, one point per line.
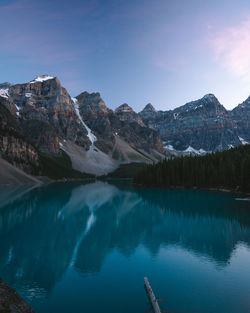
41	121
200	126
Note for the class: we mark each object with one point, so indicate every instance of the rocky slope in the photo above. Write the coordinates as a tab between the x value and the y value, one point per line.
12	175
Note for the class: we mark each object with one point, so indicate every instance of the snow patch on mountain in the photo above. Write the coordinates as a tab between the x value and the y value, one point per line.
4	93
198	106
169	147
192	107
194	151
243	141
189	150
42	78
90	135
17	110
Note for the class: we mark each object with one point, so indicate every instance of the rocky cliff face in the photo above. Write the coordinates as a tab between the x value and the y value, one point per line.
241	117
201	125
123	122
95	114
92	105
13	145
47	114
5	98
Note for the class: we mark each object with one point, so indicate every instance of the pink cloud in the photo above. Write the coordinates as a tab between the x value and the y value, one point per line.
232	49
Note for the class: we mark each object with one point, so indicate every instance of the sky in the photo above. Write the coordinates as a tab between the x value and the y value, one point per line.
164	52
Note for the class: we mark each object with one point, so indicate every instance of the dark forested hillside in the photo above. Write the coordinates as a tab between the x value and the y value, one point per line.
228	169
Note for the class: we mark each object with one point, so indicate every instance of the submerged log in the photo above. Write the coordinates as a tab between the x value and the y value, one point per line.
152	297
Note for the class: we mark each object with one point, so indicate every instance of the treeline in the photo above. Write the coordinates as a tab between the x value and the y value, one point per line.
227	169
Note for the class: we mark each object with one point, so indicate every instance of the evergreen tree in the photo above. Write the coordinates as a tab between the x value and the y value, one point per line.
227	169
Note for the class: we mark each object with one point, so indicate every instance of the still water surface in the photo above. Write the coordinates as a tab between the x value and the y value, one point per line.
85	248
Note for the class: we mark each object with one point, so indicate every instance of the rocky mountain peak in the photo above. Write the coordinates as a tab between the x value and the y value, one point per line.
125	113
46	83
149	108
47	113
212	100
207	106
42	78
5	85
148	114
124	108
43	92
244	105
91	105
210	97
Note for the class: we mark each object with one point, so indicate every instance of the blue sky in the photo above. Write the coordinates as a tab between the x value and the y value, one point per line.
166	52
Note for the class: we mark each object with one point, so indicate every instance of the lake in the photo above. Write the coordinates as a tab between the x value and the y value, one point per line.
86	247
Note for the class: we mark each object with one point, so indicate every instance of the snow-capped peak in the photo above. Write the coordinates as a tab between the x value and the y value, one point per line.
42	78
189	150
194	151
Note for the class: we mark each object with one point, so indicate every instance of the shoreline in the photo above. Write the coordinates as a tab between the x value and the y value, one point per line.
46	181
224	190
11	302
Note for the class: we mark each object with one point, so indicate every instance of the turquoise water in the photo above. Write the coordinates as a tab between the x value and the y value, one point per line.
74	247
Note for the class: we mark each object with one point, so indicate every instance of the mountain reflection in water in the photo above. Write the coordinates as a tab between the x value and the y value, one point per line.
49	229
